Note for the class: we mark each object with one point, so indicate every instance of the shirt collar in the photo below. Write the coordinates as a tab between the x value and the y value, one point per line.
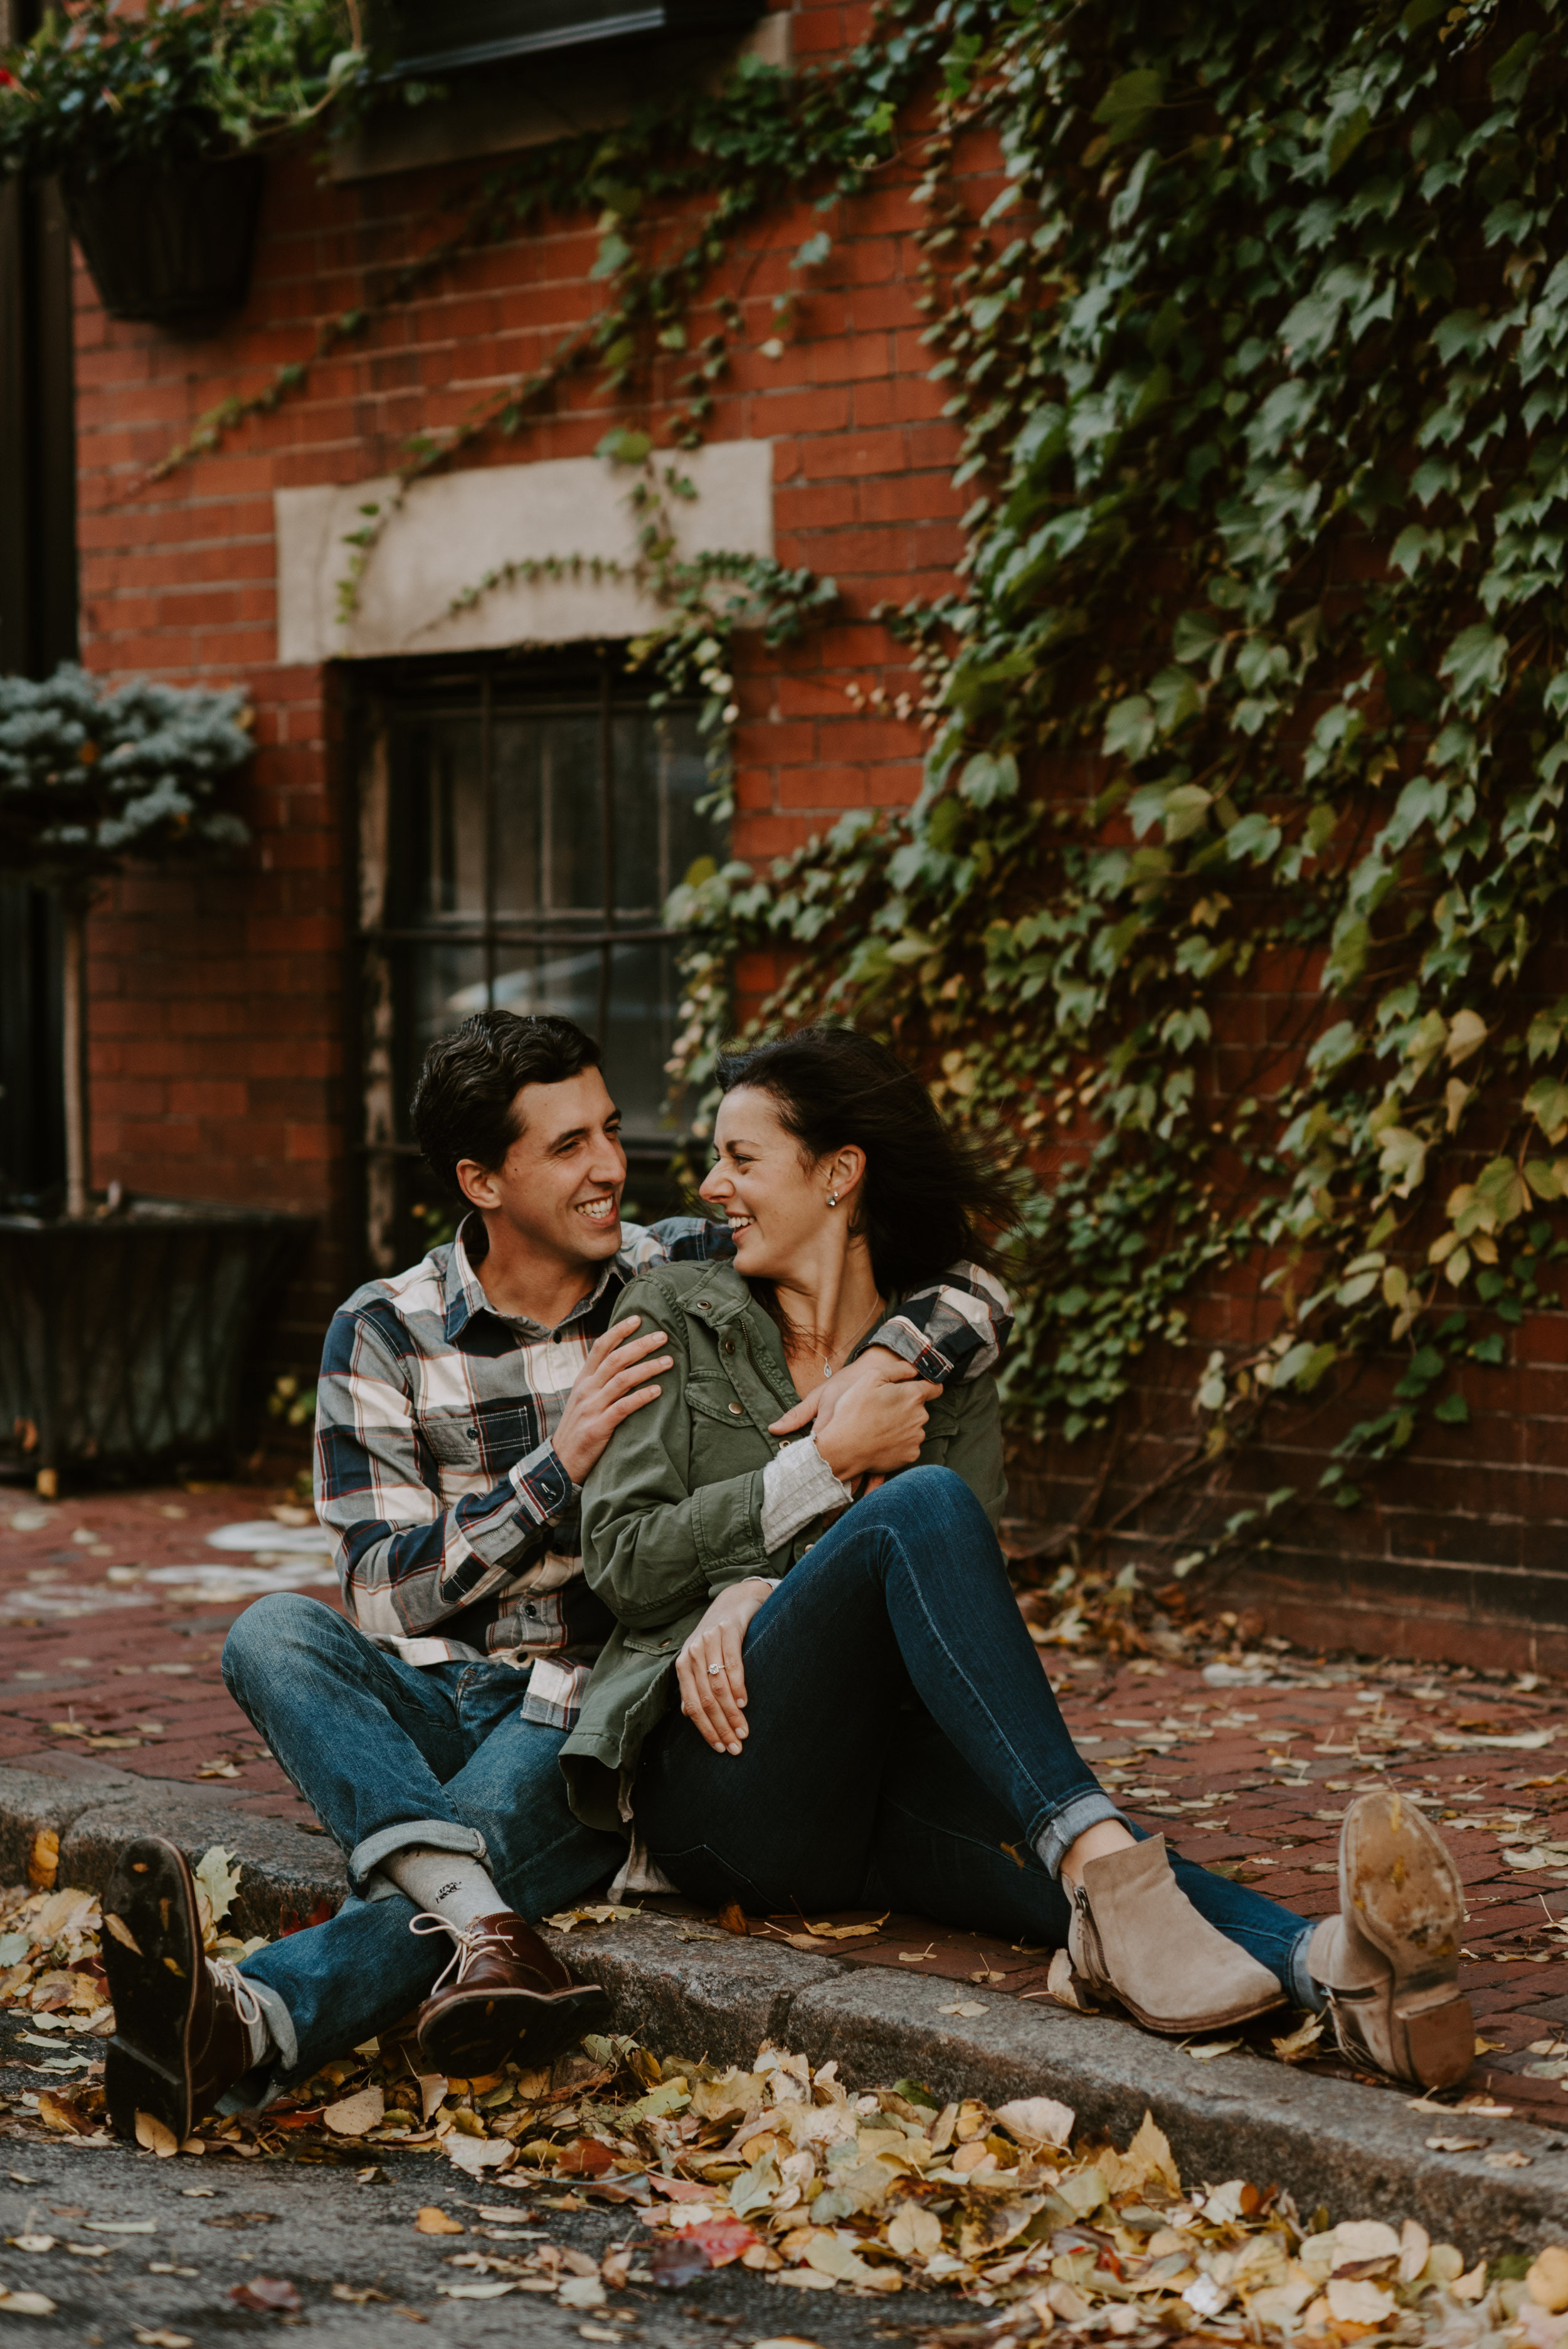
465	1296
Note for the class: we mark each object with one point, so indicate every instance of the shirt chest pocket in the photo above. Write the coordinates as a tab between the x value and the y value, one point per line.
724	1441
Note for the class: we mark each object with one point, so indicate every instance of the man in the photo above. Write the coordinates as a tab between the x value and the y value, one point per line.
460	1409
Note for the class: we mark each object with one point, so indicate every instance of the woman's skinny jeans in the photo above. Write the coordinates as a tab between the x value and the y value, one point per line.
904	1749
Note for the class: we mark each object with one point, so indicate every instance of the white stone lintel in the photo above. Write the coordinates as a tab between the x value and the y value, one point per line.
452	529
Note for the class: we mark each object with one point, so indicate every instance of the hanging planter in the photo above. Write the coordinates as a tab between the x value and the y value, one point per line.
155	122
169	242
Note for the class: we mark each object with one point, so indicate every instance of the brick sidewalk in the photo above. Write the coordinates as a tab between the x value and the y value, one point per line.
1247	1761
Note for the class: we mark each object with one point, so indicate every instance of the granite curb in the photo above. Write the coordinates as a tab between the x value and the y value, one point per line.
1359	2151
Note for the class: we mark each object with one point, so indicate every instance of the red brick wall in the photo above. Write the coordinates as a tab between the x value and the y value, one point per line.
218	1010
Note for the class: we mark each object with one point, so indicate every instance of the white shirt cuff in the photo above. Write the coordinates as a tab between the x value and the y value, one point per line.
796	1487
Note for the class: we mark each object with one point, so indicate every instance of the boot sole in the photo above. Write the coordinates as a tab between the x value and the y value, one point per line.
1185	2030
152	1983
470	2036
1398	1880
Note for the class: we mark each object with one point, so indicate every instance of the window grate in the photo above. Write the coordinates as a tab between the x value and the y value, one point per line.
518	836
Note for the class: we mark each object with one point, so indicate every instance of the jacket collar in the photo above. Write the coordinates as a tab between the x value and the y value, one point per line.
722	1297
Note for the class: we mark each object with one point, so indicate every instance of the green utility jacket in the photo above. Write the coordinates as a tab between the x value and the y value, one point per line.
672	1514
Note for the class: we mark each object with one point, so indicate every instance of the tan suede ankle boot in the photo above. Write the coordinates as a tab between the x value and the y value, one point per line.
1135	1936
1389	1962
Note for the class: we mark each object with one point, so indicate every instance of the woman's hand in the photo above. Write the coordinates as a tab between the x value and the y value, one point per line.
708	1667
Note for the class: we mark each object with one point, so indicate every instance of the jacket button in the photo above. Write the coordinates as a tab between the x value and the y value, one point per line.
734	1407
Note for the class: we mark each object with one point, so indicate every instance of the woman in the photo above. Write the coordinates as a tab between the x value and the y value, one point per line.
863	1718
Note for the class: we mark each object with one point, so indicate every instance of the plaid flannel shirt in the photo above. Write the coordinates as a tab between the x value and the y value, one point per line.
456	1525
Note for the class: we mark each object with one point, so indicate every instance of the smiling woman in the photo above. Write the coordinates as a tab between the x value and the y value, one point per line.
863	1718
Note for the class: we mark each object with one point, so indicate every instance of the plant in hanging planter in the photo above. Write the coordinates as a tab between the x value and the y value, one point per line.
156	123
89	781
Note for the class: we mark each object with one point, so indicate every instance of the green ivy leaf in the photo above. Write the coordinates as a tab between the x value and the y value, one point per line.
1130	728
1128	104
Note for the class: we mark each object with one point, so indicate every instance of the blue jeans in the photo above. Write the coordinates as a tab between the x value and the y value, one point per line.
391	1755
904	1749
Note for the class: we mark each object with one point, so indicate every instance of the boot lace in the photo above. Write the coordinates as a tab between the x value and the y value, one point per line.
228	1977
472	1945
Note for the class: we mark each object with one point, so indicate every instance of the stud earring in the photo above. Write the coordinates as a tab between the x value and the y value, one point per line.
833	1198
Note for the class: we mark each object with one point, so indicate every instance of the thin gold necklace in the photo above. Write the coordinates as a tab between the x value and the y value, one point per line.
855	1342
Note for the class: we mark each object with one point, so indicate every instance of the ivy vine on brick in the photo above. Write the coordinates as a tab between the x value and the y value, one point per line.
1255	663
1259	652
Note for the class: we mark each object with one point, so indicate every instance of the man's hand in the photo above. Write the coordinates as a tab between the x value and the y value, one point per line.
609	1388
708	1667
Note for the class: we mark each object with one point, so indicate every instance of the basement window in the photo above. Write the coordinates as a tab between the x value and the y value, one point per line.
519	832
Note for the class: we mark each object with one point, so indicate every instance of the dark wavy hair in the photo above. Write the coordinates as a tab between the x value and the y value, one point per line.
464	1105
926	1193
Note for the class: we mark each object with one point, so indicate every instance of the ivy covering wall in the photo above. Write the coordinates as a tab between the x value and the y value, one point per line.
1259	650
1256	658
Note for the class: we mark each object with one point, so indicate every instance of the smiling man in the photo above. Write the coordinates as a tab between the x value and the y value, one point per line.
460	1409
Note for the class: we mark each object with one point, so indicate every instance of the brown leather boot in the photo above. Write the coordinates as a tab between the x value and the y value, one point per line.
503	1995
181	2025
1389	1962
1135	1937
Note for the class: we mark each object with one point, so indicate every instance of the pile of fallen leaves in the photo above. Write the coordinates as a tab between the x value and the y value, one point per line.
786	2171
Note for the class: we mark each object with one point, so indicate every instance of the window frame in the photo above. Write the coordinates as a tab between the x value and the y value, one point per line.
553	683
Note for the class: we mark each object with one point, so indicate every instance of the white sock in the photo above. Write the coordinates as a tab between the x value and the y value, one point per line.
446	1883
260	2039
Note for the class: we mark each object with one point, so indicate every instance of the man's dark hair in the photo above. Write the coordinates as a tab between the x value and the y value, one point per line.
926	1192
463	1103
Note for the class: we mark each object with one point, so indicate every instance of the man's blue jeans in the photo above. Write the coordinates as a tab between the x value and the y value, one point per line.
392	1754
904	1749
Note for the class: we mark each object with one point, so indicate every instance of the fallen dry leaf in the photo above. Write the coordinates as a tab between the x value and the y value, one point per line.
162	2338
965	2006
269	2295
1037	2120
59	2112
38	2303
352	2116
1212	2047
432	2220
218	1874
1298	2044
44	1859
156	2136
1064	1986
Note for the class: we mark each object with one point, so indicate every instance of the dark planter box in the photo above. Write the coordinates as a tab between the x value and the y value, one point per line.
169	242
123	1340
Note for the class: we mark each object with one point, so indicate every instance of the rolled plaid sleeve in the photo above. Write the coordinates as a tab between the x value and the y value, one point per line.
406	1561
955	1328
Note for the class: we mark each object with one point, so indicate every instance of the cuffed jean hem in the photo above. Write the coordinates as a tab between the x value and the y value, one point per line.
1298	1978
1059	1834
423	1834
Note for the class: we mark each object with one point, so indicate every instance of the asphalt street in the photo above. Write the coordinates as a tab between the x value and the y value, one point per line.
146	2252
